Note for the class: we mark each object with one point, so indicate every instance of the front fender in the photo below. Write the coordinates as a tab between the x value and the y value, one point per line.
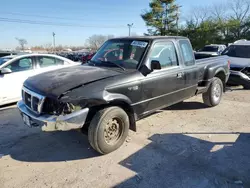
110	97
94	99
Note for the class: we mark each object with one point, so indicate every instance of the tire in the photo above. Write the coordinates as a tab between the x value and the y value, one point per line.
214	93
103	134
247	87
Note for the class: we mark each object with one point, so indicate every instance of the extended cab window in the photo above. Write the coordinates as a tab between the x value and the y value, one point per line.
187	52
165	53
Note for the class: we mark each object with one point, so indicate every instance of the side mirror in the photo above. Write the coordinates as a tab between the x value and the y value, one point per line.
155	65
5	71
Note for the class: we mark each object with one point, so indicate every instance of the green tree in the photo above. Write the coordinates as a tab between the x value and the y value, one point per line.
221	23
201	34
162	17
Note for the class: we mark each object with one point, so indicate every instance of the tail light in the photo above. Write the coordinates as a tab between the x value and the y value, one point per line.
228	64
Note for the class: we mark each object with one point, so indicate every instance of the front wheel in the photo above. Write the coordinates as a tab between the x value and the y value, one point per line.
247	87
214	93
108	129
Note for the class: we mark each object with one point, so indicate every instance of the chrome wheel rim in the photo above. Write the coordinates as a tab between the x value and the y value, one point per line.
217	92
113	131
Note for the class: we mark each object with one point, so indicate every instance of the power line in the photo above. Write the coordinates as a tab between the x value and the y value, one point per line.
53	17
55	24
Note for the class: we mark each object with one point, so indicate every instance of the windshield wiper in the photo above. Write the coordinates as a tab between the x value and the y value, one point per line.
113	63
91	62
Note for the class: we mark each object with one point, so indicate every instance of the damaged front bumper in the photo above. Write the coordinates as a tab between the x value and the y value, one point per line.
75	120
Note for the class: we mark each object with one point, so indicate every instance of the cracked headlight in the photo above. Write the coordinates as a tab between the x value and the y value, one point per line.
55	107
69	108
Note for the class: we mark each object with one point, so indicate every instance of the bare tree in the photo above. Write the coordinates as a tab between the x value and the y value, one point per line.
200	14
95	41
48	47
22	42
219	11
240	9
240	15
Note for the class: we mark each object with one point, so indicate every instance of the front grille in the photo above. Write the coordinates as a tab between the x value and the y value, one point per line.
33	100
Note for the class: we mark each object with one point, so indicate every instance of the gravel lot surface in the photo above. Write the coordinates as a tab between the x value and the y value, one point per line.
186	145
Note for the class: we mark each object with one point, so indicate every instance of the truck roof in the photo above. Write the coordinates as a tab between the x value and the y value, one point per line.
242	42
150	37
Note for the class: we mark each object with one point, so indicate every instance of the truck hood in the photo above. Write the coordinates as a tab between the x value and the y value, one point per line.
54	83
239	62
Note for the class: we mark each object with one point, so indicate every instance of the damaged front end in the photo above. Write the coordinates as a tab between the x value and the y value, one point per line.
54	114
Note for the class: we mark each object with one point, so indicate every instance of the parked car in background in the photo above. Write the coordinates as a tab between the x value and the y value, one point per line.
74	56
210	51
108	95
111	54
6	53
87	57
239	55
15	69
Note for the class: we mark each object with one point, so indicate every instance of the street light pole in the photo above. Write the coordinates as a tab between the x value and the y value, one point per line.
177	19
54	40
129	28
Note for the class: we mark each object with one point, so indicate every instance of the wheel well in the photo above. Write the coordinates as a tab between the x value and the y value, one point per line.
129	110
221	75
125	106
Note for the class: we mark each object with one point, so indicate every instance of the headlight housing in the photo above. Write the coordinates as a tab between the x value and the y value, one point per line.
55	107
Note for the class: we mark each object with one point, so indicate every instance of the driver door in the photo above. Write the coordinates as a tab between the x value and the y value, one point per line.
163	87
11	84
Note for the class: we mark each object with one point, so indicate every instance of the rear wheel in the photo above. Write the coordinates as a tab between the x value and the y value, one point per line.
214	93
108	129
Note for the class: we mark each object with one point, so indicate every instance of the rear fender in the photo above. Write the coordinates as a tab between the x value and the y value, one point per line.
212	70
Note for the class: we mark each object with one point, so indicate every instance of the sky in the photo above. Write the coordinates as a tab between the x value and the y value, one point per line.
82	17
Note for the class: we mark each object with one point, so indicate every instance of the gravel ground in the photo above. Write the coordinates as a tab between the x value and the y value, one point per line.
186	145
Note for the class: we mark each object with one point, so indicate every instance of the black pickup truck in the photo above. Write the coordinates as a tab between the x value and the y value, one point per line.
127	79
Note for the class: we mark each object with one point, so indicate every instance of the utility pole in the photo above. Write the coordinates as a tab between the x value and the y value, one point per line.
129	28
177	19
54	40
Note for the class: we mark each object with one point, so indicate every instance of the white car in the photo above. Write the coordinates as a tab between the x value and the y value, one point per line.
14	70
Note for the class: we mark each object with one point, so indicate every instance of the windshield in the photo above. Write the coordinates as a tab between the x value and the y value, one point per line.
124	54
237	51
4	59
210	49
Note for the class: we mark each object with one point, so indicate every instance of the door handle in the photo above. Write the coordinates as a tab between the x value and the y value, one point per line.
180	75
